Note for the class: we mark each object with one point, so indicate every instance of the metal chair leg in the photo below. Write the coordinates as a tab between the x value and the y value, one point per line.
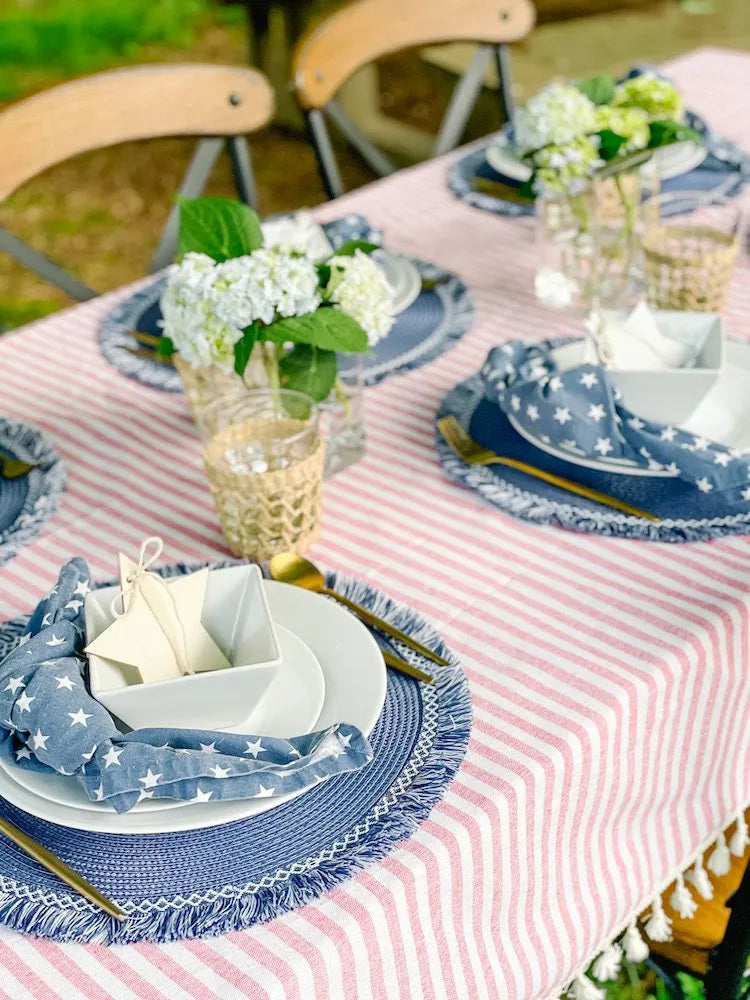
204	159
505	83
242	168
462	101
44	267
373	157
321	142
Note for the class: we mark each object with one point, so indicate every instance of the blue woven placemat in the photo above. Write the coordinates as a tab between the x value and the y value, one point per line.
722	174
27	502
205	882
432	324
687	515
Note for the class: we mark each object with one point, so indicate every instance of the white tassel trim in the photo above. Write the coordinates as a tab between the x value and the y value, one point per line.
682	901
700	880
658	926
719	860
584	989
607	966
740	838
636	949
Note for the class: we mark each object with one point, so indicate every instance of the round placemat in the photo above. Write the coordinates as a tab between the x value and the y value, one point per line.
721	175
204	882
440	315
703	515
27	502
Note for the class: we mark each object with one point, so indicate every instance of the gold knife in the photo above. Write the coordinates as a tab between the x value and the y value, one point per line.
57	867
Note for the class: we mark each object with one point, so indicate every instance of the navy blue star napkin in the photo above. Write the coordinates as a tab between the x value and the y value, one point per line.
53	724
580	412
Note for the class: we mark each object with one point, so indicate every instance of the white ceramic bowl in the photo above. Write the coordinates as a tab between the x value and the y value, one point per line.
668	395
235	613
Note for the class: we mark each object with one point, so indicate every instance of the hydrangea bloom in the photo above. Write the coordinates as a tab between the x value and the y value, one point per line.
190	318
630	123
360	289
556	115
656	96
299	233
281	282
566	169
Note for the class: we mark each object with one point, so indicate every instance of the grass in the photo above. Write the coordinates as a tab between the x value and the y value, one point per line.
72	37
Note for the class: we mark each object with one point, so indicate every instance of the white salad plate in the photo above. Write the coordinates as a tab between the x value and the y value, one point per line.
671	161
354	678
403	277
291	706
723	416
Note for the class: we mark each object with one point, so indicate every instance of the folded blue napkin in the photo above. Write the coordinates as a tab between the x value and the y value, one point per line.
53	724
580	412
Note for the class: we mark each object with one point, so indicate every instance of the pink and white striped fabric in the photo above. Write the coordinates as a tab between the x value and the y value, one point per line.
609	678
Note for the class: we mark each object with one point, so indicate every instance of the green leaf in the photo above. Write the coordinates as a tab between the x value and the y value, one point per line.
324	274
165	348
219	227
527	189
610	144
599	89
328	328
244	347
666	132
308	369
349	248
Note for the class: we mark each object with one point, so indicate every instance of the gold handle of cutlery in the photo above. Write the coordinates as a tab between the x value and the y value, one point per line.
57	867
395	663
384	626
141	352
571	487
14	468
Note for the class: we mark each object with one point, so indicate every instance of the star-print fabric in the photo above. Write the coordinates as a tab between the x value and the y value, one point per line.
580	412
52	723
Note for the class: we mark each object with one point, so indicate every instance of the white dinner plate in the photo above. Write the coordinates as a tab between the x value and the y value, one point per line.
290	707
723	416
355	683
670	161
403	277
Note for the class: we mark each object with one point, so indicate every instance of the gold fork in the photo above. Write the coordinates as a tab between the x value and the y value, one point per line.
471	452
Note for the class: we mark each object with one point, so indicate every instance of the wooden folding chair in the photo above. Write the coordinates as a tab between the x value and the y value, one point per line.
222	103
365	31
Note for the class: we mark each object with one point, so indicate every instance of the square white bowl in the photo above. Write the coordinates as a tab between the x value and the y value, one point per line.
668	395
236	615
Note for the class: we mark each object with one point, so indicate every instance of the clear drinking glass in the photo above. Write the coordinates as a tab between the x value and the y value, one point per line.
343	417
264	461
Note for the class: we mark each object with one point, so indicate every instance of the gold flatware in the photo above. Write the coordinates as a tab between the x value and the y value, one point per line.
486	185
14	468
145	338
473	453
59	868
290	568
140	352
396	663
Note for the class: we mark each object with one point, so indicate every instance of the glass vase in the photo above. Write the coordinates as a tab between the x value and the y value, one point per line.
343	416
588	245
207	384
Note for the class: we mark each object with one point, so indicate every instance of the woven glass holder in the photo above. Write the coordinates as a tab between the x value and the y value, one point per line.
688	268
267	512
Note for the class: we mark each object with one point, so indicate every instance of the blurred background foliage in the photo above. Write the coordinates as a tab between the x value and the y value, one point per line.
101	213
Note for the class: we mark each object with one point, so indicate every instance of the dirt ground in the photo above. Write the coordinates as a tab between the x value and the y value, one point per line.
101	213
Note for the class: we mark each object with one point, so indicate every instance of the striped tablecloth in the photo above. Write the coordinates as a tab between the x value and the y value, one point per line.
609	678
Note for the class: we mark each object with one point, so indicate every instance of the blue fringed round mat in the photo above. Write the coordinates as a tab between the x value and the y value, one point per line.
203	882
440	316
27	502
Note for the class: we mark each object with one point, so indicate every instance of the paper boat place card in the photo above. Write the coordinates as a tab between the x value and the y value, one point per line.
196	651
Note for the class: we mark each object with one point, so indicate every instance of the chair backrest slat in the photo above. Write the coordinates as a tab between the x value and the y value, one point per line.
362	32
141	102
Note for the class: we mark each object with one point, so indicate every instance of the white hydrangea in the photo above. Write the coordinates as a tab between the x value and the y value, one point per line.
299	233
190	318
556	115
360	289
281	282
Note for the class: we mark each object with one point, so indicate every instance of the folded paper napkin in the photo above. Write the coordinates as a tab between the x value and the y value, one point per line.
580	412
54	725
635	342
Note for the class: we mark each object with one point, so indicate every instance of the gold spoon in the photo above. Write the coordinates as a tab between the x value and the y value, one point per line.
287	567
14	468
